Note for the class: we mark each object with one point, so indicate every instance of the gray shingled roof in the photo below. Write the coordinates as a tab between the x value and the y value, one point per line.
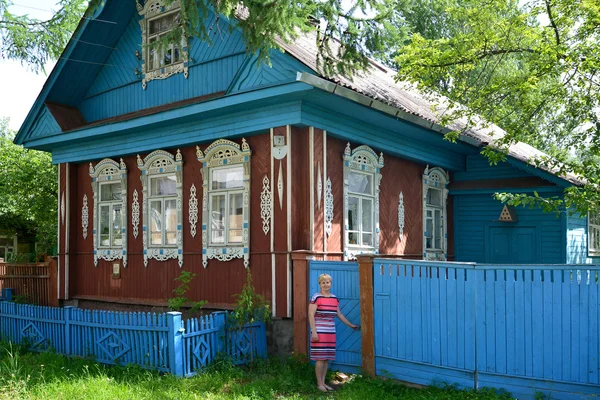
378	84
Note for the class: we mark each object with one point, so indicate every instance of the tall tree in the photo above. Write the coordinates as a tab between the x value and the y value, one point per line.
34	41
529	66
28	190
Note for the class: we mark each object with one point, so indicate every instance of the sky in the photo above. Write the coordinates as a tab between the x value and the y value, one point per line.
19	87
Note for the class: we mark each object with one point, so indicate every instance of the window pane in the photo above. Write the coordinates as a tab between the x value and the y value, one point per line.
163	186
367	239
171	221
235	217
437	226
367	215
360	183
155	222
110	191
176	54
167	58
352	237
105	225
217	219
227	178
434	197
117	237
428	233
353	213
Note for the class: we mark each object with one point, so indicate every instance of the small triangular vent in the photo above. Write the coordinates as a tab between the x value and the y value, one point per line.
508	214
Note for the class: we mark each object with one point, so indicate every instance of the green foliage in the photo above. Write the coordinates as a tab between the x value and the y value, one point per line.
51	376
34	41
28	190
250	306
180	299
530	67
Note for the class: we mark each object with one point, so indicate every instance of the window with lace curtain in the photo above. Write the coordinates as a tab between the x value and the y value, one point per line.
361	201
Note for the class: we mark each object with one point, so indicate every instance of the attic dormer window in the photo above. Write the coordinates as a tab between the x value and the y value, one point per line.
161	60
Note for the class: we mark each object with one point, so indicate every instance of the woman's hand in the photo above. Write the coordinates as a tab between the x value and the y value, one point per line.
355	327
314	337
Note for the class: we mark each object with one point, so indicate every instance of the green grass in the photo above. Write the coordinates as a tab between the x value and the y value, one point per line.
25	375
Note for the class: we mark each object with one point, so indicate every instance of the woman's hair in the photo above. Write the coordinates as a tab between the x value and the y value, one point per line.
324	276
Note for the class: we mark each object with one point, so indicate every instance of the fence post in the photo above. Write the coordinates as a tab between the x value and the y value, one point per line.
365	273
68	310
52	281
300	259
220	319
175	342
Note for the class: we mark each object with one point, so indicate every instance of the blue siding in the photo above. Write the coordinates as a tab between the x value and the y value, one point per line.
473	214
44	124
117	90
478	167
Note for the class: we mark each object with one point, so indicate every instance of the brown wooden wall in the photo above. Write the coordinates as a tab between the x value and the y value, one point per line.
269	253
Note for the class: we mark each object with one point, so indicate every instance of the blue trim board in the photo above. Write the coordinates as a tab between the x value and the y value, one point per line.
549	190
521	388
258	121
538	172
171	117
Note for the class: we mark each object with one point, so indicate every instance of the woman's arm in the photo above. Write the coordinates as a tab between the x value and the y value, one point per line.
345	320
312	309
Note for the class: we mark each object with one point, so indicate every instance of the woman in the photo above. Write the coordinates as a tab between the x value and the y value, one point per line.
322	310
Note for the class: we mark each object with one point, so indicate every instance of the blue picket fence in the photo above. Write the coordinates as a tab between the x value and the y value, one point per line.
526	329
157	341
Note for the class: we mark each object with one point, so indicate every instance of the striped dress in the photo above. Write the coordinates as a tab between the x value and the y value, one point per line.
327	308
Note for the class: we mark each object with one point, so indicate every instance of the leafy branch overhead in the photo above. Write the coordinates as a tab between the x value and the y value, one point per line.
347	33
530	67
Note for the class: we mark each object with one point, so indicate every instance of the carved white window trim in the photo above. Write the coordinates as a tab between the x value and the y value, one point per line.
328	207
401	216
266	205
161	163
365	161
108	170
151	10
436	178
593	234
193	210
135	214
85	215
218	154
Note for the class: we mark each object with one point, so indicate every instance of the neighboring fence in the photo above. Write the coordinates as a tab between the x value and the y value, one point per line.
160	342
526	329
34	283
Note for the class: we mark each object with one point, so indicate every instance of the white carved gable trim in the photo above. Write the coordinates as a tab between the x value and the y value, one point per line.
161	162
109	170
362	159
220	153
266	205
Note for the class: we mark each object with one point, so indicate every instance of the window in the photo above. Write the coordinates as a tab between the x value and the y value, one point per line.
162	198
226	213
593	234
435	193
109	185
161	61
361	201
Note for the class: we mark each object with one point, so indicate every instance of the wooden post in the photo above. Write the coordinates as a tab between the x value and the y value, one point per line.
52	281
175	343
300	260
365	273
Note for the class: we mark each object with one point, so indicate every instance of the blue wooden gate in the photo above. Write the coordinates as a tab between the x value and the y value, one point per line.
345	285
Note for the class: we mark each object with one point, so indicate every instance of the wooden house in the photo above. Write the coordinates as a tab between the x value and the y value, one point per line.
196	158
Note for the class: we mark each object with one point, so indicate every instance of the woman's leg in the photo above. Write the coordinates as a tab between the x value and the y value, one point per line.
321	366
324	372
